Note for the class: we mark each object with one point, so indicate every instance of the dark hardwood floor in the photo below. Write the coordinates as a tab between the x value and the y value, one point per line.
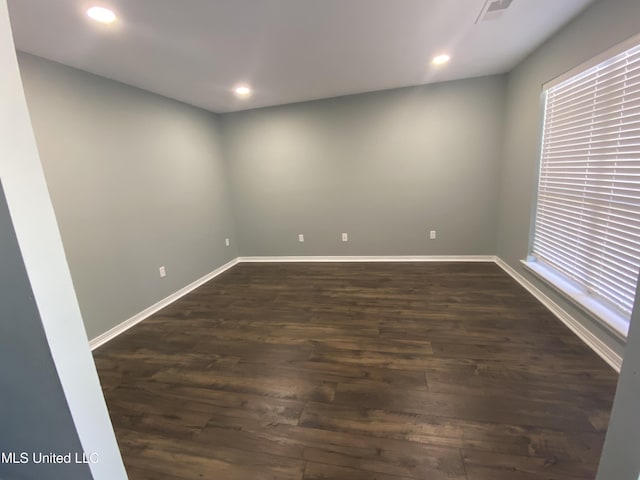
357	371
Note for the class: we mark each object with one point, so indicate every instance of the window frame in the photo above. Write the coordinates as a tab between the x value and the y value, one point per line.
606	315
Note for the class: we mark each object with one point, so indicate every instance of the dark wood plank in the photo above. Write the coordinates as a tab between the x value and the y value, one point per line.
494	466
323	471
191	460
357	371
502	407
372	454
409	426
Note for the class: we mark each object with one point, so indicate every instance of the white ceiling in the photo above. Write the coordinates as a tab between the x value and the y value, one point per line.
288	50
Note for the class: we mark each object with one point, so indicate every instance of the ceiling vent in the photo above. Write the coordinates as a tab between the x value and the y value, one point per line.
492	10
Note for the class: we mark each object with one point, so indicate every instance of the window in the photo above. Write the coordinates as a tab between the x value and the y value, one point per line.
586	237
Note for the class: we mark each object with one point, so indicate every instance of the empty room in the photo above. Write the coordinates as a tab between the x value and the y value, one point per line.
320	239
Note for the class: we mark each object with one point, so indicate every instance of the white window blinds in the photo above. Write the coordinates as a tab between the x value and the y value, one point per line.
587	223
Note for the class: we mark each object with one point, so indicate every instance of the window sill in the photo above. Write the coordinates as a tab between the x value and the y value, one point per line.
609	318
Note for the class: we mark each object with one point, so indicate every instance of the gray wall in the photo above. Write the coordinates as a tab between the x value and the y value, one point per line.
621	455
137	181
601	26
34	416
385	167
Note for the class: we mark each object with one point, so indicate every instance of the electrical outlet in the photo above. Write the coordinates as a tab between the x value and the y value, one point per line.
163	272
300	237
432	235
345	237
227	242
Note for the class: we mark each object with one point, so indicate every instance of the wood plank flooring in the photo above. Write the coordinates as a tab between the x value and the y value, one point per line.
357	371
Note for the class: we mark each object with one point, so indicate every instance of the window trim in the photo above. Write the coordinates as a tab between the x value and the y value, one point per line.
592	62
599	311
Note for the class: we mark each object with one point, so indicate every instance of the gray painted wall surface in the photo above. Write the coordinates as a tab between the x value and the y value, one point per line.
384	167
34	415
137	181
621	454
600	27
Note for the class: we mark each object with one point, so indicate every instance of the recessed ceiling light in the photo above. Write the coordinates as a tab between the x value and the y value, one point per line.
242	91
441	59
101	14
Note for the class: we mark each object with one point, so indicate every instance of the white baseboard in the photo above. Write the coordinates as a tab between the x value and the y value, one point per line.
147	312
377	258
597	345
